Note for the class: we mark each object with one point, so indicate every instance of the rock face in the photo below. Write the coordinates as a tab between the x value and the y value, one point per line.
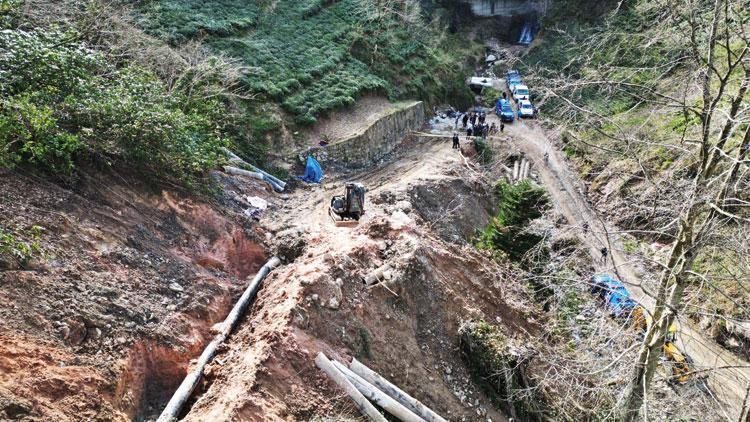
374	142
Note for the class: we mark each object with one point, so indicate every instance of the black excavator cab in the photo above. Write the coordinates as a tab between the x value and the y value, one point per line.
350	206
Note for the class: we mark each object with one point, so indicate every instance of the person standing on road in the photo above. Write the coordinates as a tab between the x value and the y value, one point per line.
585	228
465	119
502	127
468	133
455	141
604	252
546	158
473	118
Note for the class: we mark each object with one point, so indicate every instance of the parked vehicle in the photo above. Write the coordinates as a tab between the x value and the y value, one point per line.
520	92
512	78
526	110
504	110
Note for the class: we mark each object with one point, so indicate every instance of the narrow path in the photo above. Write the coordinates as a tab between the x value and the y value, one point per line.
728	375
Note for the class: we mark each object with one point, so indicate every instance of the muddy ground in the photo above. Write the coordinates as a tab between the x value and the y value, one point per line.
105	324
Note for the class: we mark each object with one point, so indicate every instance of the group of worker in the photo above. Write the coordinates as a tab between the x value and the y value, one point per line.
476	125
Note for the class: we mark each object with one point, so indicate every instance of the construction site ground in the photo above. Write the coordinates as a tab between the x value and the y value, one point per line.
105	327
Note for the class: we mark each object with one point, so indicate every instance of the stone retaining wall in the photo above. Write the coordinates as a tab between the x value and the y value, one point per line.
374	142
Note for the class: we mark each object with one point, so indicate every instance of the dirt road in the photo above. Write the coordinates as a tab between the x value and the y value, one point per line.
728	375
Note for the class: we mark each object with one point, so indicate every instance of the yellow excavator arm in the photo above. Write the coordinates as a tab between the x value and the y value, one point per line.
679	363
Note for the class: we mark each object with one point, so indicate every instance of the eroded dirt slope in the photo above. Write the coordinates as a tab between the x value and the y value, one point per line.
103	327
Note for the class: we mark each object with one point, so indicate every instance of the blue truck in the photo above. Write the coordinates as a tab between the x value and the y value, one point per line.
512	78
504	110
616	297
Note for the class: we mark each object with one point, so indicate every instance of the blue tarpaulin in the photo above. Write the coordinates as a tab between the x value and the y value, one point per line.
313	171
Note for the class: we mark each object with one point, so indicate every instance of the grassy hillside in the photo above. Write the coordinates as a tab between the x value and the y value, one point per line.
314	56
163	86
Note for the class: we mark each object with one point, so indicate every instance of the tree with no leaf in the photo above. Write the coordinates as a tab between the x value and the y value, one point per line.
719	60
711	93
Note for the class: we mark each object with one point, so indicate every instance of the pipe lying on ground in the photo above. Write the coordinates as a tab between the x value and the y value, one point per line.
254	174
275	182
383	400
338	377
385	386
516	169
241	172
173	408
527	170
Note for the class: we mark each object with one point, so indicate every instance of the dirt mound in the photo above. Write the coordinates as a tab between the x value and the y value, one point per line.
405	325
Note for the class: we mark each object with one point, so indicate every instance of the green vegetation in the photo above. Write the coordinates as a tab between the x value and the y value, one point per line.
20	245
500	369
484	152
179	21
517	205
61	103
313	56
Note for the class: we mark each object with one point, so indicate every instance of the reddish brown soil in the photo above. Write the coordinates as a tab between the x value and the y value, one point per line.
103	326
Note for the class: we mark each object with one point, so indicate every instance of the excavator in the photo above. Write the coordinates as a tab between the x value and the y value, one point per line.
677	362
348	207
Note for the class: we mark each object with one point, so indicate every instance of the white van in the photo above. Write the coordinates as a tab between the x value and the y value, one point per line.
520	92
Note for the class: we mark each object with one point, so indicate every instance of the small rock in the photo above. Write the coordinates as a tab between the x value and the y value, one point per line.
175	287
95	333
64	331
333	303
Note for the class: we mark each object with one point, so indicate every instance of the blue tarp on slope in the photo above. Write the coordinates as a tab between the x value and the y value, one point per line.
313	171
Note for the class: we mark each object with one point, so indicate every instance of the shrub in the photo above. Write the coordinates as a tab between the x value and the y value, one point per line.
484	152
517	205
20	245
61	102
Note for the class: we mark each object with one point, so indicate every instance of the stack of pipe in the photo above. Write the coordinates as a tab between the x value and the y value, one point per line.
362	384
